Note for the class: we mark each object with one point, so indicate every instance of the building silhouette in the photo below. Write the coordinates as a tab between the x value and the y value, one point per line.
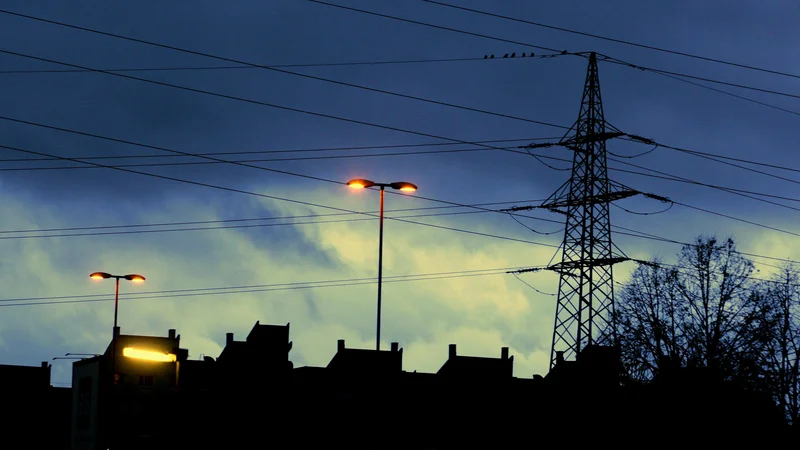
126	397
32	407
252	395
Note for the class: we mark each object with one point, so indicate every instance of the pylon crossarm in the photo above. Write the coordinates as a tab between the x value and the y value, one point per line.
555	210
539	145
592	200
595	137
641	139
599	262
532	269
519	208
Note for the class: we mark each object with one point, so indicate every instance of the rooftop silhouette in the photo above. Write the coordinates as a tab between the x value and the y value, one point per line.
251	393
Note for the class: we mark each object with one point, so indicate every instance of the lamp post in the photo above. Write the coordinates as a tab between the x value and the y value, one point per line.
399	185
130	277
135	278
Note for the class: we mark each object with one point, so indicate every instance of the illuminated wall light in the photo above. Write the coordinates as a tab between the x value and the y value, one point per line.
148	355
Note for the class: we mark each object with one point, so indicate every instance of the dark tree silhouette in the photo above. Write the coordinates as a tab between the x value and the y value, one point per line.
781	340
701	312
707	311
649	322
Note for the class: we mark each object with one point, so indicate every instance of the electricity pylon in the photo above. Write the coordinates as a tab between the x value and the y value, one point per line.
585	308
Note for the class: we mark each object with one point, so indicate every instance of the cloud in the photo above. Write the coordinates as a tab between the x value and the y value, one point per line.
424	316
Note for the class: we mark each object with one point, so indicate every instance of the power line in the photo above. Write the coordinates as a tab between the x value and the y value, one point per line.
248	161
730	94
662	72
297	74
621	41
284	172
211	93
298	150
249	289
631	232
695	77
738	219
289	173
762	280
713	212
582	53
667	176
285	199
734	191
643	235
265	225
207	222
714	155
128	142
253	286
220	161
207	55
712	186
439	27
276	66
346	213
224	290
216	160
225	227
316	114
659	71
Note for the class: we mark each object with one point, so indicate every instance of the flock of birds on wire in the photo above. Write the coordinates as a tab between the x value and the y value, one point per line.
513	55
506	56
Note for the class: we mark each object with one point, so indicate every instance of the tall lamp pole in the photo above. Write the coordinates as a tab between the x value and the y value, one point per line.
399	185
135	278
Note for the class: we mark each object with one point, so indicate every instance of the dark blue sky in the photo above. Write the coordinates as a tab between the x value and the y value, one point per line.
482	313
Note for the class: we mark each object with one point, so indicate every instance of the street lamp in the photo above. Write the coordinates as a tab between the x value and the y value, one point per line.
130	277
135	278
399	185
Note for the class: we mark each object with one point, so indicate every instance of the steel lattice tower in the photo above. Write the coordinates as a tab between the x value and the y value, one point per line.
584	312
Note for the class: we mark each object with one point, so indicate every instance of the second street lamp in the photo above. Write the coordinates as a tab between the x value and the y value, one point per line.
399	185
136	278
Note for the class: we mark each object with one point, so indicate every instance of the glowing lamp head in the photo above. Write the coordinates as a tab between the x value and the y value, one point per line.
360	183
100	275
148	355
404	186
135	278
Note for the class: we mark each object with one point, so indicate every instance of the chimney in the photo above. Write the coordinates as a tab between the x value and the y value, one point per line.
395	346
45	365
228	338
340	345
504	352
452	350
171	333
559	357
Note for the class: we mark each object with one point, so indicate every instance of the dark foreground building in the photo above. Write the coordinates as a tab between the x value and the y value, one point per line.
34	412
251	395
